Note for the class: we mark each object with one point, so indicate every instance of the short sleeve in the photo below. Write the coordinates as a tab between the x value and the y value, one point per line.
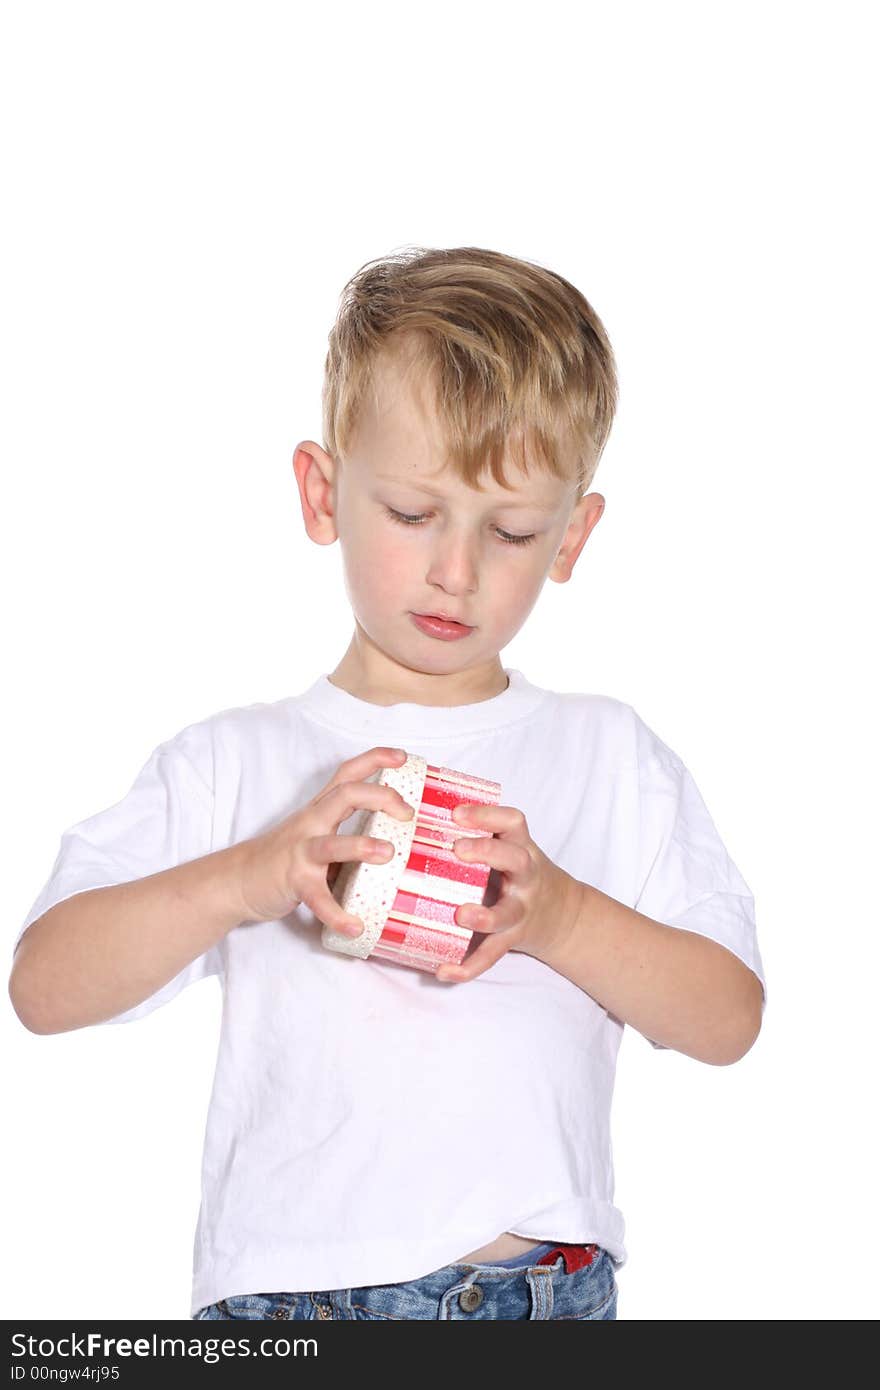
165	819
686	878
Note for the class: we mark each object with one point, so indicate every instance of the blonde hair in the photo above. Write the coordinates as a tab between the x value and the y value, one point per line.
514	356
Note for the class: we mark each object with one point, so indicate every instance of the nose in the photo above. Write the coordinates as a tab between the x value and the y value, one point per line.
453	565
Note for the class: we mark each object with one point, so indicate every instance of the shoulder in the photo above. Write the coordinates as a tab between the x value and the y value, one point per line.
588	707
612	719
229	734
629	744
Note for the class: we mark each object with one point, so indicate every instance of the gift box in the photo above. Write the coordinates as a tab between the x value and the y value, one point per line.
408	904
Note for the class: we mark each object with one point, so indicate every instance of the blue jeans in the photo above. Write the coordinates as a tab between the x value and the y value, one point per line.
464	1291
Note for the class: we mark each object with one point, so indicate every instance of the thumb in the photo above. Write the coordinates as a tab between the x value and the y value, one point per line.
327	910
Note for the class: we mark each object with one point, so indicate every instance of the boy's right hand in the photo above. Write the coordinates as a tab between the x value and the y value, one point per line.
289	864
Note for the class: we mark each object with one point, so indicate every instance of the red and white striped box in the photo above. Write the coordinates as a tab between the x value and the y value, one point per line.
408	904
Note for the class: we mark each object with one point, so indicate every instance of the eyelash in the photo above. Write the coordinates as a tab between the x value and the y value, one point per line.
406	520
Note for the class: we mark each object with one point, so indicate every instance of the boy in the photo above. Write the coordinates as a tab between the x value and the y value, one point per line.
382	1143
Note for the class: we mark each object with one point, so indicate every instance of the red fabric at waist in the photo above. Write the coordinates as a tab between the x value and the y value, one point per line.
575	1256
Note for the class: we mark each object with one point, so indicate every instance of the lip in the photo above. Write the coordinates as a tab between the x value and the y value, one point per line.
443	618
447	629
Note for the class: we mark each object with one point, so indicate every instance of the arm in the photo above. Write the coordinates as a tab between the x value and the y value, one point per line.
103	951
674	986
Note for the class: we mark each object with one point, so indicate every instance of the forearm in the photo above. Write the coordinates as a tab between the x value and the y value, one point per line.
674	986
105	950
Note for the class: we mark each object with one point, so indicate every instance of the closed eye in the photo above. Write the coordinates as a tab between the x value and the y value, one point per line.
406	520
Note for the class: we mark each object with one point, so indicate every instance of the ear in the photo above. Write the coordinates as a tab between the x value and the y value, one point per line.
586	513
315	472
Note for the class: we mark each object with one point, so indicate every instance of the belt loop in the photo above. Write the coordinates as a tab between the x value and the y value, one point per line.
540	1291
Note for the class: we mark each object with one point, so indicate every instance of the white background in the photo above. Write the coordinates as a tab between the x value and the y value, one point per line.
188	186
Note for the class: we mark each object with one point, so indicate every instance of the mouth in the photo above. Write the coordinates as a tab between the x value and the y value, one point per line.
435	625
443	618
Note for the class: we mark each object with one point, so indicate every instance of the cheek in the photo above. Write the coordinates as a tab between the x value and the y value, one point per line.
382	569
512	599
523	577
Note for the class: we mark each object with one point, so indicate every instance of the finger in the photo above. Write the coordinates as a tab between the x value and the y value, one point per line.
508	912
487	953
327	910
506	856
341	849
475	917
502	820
341	801
355	769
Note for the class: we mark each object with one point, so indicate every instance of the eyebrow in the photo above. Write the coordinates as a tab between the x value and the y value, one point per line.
421	487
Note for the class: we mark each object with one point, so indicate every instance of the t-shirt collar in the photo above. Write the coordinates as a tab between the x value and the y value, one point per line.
336	708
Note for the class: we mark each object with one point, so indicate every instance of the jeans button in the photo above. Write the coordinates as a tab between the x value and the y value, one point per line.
471	1297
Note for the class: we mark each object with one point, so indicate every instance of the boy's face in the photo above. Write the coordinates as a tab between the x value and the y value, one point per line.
458	560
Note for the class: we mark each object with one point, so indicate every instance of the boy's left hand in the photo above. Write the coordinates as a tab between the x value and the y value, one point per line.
535	900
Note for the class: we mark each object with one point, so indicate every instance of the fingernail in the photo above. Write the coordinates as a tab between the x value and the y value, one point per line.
352	929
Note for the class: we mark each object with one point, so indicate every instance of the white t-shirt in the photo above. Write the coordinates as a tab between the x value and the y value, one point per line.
367	1123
